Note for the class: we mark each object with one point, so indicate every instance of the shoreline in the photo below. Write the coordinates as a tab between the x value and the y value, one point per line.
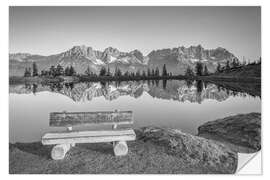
75	79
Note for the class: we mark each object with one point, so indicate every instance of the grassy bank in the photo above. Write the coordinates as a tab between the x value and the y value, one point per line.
246	74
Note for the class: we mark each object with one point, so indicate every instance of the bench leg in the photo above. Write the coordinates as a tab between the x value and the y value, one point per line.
120	148
59	151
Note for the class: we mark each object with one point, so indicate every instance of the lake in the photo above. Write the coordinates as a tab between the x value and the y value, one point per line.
178	104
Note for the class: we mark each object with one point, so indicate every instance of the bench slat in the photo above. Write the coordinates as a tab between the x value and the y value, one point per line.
88	136
65	134
66	119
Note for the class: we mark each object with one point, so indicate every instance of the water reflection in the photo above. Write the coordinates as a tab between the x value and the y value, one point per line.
177	104
188	90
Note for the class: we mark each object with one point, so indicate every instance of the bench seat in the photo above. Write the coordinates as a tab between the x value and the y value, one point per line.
75	137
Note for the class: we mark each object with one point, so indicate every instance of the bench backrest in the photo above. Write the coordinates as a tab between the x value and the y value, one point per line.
67	119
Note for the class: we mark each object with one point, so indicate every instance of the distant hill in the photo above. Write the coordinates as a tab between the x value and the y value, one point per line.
80	57
248	71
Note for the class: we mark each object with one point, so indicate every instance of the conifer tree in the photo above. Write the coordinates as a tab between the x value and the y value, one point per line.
102	71
189	72
35	69
143	73
67	71
199	69
218	68
27	72
148	72
157	72
138	73
52	71
72	71
228	65
153	72
108	71
164	70
88	71
205	72
59	70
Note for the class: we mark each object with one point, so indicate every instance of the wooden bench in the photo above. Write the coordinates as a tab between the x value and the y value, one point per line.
63	141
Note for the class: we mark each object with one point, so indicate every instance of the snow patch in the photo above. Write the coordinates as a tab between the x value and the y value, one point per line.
99	62
112	59
126	87
96	86
124	60
94	67
194	60
112	88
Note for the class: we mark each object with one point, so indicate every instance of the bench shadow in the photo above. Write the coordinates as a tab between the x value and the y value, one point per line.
35	148
103	148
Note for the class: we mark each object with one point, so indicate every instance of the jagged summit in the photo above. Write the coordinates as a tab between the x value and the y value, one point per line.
179	58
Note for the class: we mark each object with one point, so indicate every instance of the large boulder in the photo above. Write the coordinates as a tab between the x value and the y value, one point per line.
242	132
194	150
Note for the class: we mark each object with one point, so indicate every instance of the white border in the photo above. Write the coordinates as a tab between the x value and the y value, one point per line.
4	71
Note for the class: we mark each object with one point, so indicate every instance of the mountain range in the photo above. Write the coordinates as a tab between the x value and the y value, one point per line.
80	57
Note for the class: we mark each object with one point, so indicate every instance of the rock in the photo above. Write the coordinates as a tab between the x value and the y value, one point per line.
195	150
242	133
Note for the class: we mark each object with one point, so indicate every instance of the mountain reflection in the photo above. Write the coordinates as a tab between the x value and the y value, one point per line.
177	90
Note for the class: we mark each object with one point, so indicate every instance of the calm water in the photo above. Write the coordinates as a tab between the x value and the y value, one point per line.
173	103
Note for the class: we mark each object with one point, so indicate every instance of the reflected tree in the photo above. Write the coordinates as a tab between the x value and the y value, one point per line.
205	84
199	69
103	84
157	83
35	69
199	85
164	83
189	82
34	88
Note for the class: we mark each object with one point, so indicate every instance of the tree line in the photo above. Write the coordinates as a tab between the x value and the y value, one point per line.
118	72
70	71
200	70
52	72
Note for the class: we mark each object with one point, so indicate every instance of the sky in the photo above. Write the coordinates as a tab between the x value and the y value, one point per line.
51	30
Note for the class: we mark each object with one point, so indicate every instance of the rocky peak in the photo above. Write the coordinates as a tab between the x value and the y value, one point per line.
77	51
137	54
112	51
